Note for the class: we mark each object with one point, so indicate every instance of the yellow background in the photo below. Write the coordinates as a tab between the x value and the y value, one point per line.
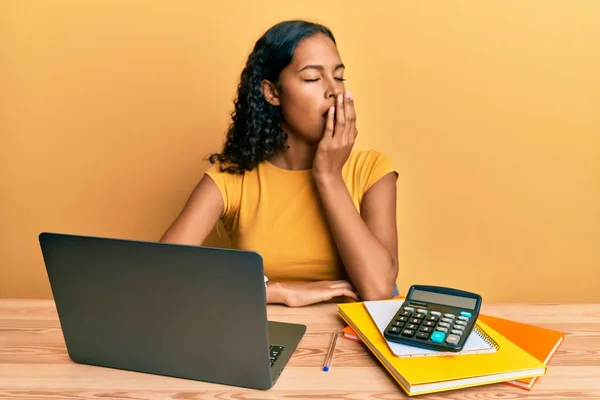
489	109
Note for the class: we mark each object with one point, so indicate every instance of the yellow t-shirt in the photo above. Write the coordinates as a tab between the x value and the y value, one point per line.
277	213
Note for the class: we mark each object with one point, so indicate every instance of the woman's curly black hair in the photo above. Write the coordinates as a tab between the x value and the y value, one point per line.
255	131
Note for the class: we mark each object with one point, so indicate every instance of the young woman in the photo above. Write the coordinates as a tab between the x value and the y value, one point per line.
288	184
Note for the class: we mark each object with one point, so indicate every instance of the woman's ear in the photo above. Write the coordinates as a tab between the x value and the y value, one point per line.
270	92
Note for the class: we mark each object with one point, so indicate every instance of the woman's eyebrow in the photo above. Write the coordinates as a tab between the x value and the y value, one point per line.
320	67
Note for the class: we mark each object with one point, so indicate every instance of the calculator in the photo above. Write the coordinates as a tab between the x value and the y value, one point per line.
434	317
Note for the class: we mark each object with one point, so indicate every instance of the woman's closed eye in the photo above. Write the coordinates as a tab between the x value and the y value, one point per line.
316	79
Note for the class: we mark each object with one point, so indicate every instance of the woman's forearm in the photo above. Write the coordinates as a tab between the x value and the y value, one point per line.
276	293
369	265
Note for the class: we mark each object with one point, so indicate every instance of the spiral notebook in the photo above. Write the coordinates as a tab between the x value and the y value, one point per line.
381	312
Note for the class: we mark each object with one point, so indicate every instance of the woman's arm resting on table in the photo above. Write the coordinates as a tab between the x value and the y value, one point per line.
303	294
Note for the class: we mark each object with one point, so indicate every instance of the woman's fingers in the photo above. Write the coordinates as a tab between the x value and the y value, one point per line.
330	294
341	284
343	288
348	293
329	127
350	113
340	118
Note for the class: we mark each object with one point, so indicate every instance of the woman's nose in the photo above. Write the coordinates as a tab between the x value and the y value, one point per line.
336	93
334	90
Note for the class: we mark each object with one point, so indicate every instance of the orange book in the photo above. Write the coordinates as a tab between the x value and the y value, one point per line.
350	334
541	343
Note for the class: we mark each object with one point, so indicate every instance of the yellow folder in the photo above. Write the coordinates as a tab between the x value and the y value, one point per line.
423	375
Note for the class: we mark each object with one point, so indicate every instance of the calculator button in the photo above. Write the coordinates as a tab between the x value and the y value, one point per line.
453	339
412	326
459	327
449	320
436	313
408	309
408	332
426	329
465	314
422	335
444	324
441	329
421	311
432	318
461	323
449	315
394	330
456	332
401	319
406	314
429	323
416	321
396	323
438	337
463	318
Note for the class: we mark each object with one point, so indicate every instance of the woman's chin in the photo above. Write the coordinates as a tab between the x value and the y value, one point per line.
318	136
314	136
312	133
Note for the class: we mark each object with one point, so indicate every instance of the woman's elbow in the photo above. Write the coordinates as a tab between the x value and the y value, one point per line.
383	291
373	296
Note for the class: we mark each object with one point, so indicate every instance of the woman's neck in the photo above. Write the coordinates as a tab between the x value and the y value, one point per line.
299	154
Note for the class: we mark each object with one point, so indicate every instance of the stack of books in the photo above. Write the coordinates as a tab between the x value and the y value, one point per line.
497	350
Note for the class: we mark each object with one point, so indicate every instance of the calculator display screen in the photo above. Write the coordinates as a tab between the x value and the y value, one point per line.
446	299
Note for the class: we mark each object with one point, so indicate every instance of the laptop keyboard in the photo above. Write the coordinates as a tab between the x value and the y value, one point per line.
274	353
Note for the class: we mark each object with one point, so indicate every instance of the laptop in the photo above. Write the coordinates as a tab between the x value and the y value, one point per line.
190	312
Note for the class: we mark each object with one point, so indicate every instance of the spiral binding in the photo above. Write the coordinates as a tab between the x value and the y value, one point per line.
487	338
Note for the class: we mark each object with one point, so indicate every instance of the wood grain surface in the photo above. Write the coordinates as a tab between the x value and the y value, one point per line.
34	363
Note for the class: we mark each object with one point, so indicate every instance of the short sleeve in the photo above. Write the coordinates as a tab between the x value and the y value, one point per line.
229	186
376	166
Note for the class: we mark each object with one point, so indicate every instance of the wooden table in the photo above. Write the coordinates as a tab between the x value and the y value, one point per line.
34	362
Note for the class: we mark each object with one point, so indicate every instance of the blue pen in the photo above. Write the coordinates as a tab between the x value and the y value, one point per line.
330	352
